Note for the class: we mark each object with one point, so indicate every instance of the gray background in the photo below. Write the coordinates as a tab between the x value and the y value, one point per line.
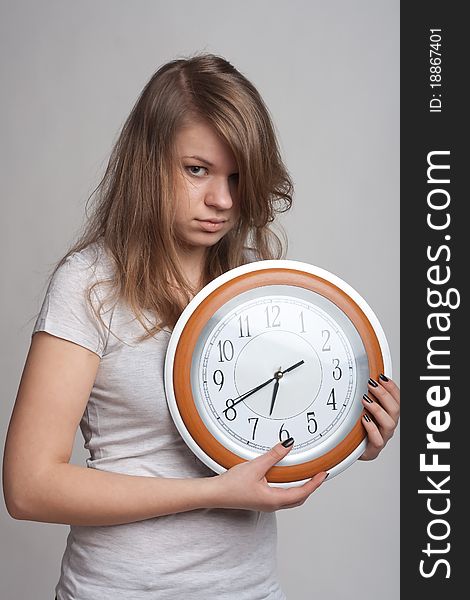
328	71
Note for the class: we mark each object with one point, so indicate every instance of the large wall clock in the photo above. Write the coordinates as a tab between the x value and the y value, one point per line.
270	350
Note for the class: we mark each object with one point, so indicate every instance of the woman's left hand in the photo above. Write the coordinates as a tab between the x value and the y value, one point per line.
382	411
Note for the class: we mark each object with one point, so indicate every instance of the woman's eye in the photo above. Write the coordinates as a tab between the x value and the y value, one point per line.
196	171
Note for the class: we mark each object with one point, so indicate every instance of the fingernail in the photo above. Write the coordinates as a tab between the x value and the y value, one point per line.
383	378
288	442
367	399
367	418
373	383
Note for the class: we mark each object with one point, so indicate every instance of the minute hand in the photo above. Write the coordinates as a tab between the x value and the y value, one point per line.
246	394
262	385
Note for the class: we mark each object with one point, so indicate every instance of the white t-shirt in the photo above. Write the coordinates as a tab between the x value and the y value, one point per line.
210	554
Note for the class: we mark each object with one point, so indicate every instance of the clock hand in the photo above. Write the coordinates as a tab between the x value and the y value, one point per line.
262	385
275	390
278	376
246	394
301	362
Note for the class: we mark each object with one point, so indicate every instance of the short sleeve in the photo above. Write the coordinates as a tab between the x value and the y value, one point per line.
66	311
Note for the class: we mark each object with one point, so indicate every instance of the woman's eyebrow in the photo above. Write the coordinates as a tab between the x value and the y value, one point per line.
200	159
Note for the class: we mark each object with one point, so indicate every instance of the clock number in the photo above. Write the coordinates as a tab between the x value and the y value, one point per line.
337	372
241	326
221	378
302	323
225	350
255	419
275	311
311	422
284	432
230	412
326	346
332	400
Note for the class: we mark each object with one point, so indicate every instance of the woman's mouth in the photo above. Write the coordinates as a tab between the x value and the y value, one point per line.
213	225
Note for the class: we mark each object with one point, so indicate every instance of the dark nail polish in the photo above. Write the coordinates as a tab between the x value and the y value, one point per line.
367	399
373	383
367	418
288	442
383	378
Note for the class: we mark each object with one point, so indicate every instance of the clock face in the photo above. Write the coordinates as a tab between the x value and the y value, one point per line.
275	362
272	350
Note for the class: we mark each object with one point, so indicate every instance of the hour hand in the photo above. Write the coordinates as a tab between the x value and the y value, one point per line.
273	400
250	392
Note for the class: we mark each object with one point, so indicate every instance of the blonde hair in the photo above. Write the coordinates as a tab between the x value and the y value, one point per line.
133	213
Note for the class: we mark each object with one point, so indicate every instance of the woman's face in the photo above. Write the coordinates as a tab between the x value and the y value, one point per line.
207	205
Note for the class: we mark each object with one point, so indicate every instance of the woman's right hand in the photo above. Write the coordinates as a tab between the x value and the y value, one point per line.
40	484
245	485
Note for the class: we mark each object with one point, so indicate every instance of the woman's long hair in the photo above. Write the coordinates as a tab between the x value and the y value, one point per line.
134	204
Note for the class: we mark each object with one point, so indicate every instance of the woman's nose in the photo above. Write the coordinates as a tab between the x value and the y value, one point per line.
219	195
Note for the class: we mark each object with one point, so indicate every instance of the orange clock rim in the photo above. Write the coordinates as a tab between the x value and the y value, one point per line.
196	323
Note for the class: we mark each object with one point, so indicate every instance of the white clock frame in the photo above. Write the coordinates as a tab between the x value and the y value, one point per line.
211	287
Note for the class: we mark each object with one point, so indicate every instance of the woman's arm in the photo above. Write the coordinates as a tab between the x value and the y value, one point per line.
40	484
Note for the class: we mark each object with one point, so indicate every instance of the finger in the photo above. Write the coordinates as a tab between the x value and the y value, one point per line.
385	398
296	496
391	387
383	420
267	460
375	440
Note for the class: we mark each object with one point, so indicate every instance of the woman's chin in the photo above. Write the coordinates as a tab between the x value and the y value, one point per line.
200	242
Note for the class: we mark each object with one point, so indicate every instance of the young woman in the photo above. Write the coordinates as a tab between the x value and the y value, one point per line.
191	187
